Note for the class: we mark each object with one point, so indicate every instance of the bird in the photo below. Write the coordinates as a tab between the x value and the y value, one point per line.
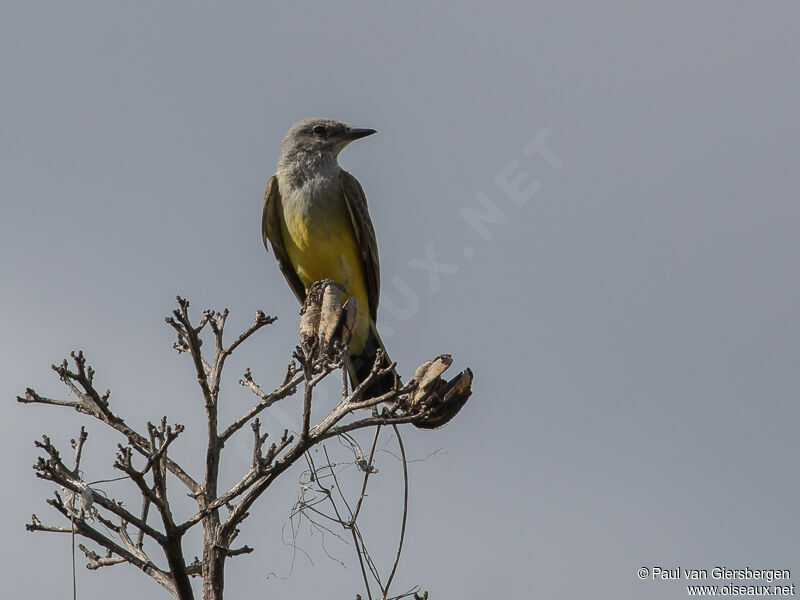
316	220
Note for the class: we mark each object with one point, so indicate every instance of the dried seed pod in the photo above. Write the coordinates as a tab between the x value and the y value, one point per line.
330	315
446	401
310	315
426	377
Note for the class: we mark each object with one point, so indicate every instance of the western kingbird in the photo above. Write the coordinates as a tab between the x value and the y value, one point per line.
316	219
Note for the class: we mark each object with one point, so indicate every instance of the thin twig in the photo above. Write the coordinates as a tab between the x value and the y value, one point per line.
74	573
367	472
336	482
405	511
361	564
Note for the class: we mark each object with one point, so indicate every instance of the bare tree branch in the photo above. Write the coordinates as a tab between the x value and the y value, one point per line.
287	388
84	529
54	470
427	401
96	405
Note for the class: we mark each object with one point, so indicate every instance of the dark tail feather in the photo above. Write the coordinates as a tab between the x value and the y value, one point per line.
359	367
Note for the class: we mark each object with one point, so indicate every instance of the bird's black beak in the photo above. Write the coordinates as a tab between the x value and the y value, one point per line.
356	134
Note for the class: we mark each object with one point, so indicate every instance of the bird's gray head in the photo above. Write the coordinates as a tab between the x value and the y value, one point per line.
314	139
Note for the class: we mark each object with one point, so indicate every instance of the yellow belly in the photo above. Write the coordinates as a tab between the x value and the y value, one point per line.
326	248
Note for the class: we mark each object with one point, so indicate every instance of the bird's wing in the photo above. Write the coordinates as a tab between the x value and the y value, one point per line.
271	230
362	225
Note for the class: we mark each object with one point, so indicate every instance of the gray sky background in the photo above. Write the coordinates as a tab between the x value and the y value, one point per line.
633	327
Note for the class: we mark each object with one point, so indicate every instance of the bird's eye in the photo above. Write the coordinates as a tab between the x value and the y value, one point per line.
319	129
